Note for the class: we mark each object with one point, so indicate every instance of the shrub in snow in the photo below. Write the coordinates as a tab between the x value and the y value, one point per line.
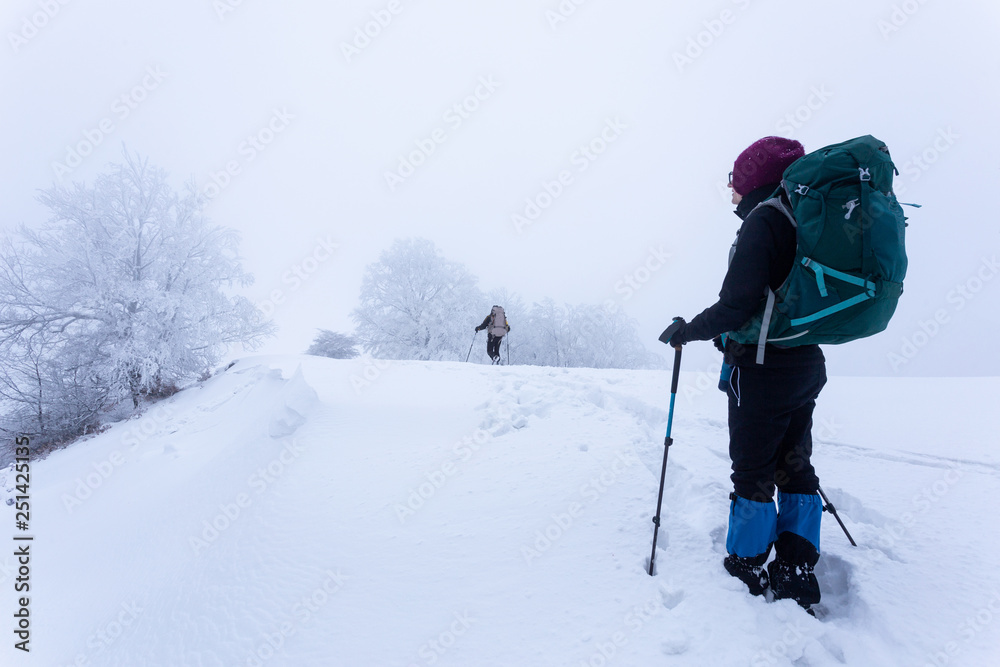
334	345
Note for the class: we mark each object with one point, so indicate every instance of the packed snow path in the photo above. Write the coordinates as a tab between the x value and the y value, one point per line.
304	511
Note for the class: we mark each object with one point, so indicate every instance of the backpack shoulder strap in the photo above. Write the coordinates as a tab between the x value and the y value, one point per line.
778	203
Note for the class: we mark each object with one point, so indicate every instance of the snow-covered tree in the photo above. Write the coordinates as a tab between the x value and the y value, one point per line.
416	305
606	338
543	337
580	336
334	345
120	295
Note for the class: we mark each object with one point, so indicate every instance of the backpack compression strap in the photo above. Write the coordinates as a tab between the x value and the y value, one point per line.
821	271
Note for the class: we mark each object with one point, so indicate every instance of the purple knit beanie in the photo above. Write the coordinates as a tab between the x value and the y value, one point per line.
764	162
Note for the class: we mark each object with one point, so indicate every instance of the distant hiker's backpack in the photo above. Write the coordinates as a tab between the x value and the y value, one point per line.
498	322
850	259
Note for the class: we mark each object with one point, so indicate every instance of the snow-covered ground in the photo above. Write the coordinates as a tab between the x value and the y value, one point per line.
305	511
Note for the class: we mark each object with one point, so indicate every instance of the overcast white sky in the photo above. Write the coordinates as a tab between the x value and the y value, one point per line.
186	83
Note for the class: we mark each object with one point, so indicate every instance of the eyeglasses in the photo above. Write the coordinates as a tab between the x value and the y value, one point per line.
730	179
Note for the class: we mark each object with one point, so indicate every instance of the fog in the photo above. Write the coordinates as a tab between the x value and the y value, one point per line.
576	150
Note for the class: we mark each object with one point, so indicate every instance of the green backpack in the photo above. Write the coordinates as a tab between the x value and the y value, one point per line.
850	259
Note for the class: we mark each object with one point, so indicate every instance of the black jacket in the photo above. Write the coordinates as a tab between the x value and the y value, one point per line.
762	256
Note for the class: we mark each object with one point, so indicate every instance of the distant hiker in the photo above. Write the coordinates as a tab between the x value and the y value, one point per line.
771	397
496	328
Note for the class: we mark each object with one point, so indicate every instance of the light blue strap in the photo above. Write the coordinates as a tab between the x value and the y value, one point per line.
833	309
822	270
818	269
848	278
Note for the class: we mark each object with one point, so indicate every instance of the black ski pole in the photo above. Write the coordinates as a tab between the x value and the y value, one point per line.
470	346
508	348
828	507
667	441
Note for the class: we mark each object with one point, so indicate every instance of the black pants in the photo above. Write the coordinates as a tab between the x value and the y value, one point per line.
493	346
770	424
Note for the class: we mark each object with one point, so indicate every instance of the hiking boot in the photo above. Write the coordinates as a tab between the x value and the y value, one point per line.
744	569
795	582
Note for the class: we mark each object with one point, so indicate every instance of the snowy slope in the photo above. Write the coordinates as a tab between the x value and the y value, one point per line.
304	511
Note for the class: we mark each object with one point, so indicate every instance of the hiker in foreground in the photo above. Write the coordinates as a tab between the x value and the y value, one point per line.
820	259
770	403
496	328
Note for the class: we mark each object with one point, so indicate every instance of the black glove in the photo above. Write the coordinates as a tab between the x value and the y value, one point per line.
478	329
717	341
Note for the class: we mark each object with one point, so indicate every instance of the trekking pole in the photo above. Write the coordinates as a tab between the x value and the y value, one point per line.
470	346
667	441
828	507
508	348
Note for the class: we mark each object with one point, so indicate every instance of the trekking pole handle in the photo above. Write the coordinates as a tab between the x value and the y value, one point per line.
665	337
